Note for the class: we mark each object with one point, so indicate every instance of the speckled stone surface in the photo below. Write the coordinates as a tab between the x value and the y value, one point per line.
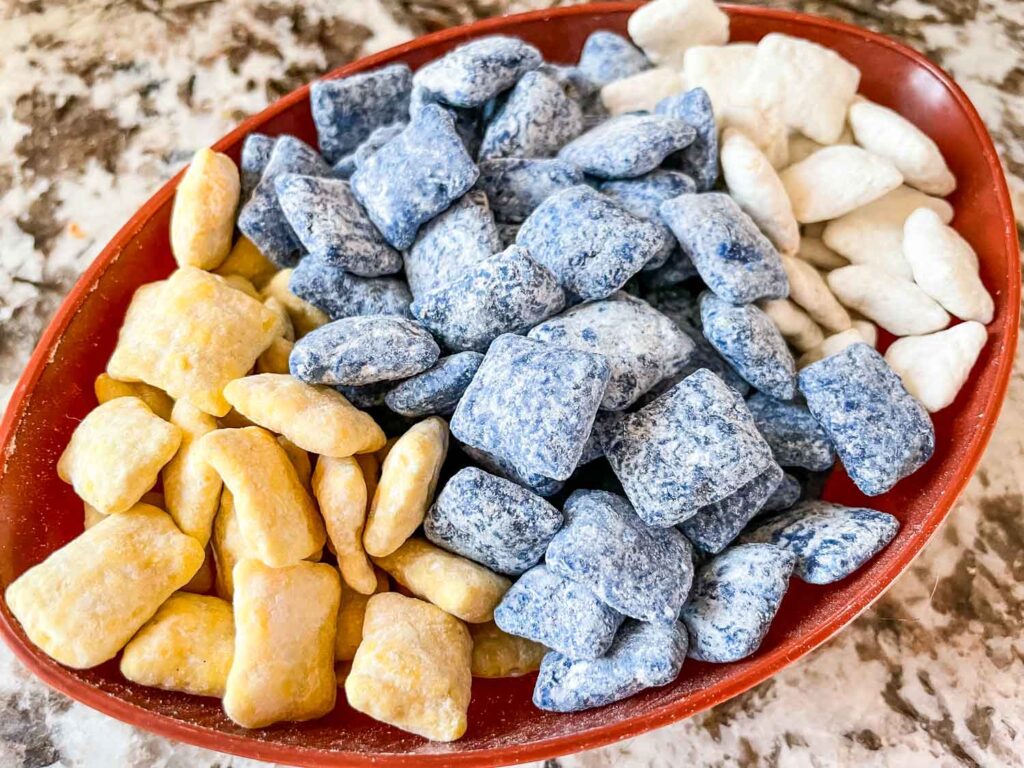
93	123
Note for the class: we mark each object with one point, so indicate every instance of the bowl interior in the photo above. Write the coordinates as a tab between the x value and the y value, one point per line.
39	513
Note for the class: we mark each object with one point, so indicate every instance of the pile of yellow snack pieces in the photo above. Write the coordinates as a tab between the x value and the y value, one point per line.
219	585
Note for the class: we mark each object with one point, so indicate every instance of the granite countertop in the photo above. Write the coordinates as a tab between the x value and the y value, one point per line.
102	100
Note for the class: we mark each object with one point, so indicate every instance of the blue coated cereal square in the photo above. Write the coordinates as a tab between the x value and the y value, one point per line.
415	176
880	431
591	244
532	404
643	197
332	226
643	655
261	218
627	145
492	521
515	186
539	484
700	159
535	119
734	600
576	84
594	449
348	109
363	350
752	344
642	572
607	56
563	615
437	389
830	541
339	294
366	395
641	344
695	445
731	255
477	71
450	245
796	437
716	525
256	151
375	141
507	293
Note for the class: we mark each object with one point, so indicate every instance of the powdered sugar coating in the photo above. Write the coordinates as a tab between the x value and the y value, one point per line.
532	481
735	597
477	71
716	525
348	109
736	261
607	56
641	344
438	389
700	159
830	541
331	224
627	145
796	437
881	433
643	196
515	186
591	244
748	339
532	404
415	176
363	350
536	118
492	521
644	655
506	293
693	446
451	244
640	571
340	294
561	614
261	218
785	495
256	151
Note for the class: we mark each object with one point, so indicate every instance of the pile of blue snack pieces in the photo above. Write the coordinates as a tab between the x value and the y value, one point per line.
576	297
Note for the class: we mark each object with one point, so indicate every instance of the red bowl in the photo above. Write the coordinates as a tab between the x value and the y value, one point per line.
39	513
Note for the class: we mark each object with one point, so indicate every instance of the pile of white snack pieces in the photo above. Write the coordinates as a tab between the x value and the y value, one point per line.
849	191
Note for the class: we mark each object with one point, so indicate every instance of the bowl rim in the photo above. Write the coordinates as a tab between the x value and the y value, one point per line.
246	746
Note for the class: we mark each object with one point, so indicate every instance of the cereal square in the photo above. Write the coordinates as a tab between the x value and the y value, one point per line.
532	404
515	186
796	437
190	335
116	453
535	119
476	71
338	293
716	525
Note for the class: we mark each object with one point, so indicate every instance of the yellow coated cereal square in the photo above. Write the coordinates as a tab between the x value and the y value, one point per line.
245	260
116	453
340	491
239	283
454	584
350	617
87	599
107	389
274	359
202	582
318	419
408	479
300	460
203	217
412	669
187	646
305	317
279	309
285	625
190	335
499	654
276	516
191	486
